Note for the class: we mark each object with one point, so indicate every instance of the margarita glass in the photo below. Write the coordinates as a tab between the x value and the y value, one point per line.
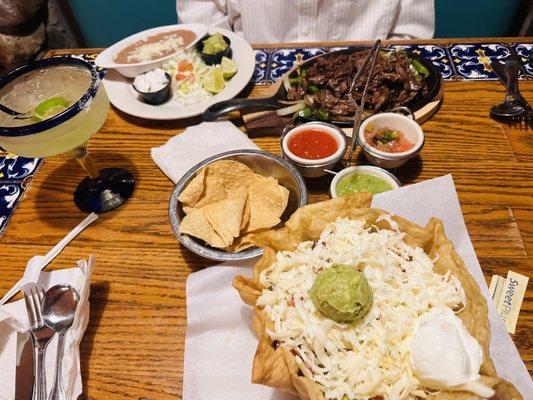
63	104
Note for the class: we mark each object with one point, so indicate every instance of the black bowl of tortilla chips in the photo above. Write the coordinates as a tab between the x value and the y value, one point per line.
220	203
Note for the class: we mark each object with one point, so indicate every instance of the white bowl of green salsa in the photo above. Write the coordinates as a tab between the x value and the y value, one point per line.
362	178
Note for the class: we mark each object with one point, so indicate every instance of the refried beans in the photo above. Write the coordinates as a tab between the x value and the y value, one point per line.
155	46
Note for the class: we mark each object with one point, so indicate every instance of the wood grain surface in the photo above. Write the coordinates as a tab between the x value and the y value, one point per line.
133	346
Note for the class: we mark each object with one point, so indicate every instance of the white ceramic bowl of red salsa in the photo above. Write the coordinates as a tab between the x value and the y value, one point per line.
314	147
388	140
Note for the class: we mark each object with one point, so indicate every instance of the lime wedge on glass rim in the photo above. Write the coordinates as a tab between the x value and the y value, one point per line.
214	81
50	107
229	68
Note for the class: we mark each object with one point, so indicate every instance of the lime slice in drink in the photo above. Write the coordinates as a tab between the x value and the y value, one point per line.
229	68
214	81
50	107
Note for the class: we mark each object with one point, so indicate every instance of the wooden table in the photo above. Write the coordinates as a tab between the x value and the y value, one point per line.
133	346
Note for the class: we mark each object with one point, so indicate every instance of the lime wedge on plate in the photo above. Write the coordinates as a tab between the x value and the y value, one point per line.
50	107
229	68
214	81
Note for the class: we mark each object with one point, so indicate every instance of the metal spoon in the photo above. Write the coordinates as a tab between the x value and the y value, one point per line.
59	309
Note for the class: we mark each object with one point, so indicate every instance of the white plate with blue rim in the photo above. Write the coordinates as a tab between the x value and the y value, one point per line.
122	95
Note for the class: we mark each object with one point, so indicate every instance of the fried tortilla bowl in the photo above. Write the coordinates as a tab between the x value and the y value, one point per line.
277	367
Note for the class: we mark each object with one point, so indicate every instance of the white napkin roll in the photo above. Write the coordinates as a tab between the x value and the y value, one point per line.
14	333
181	152
14	319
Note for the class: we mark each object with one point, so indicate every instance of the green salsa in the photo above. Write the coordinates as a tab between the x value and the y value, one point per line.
359	182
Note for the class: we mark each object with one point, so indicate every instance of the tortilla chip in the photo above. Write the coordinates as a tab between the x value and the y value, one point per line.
230	193
245	215
225	216
196	224
308	222
267	201
224	178
243	242
192	192
284	198
273	367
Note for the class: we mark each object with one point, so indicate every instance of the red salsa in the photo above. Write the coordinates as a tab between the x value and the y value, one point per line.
312	144
387	139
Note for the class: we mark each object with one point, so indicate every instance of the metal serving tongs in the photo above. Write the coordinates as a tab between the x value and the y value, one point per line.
373	54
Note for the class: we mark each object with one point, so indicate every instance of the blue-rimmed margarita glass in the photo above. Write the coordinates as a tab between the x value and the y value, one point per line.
66	132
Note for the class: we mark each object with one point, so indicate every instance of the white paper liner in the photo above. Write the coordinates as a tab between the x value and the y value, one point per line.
219	344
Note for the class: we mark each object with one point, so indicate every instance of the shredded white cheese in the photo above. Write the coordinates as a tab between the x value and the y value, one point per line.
370	359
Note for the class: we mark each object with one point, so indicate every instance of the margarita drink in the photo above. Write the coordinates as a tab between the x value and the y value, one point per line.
57	88
58	104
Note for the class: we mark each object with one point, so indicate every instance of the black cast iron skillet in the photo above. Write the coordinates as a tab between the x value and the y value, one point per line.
223	108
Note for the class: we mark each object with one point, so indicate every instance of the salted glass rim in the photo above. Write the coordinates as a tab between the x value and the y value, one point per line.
63	116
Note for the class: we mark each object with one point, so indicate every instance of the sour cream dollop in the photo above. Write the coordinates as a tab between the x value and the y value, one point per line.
444	355
151	81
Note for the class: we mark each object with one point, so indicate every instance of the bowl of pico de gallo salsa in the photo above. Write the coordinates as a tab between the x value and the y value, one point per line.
388	140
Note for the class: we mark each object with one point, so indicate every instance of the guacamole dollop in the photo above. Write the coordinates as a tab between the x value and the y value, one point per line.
214	44
342	293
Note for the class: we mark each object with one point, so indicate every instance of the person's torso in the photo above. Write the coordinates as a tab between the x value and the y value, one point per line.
266	21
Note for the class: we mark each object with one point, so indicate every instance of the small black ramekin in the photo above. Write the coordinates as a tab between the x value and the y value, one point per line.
157	97
213	59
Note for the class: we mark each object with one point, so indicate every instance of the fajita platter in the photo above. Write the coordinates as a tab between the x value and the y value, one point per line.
423	105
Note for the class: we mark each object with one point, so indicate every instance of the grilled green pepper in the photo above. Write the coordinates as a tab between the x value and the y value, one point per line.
301	75
312	89
322	114
419	67
305	113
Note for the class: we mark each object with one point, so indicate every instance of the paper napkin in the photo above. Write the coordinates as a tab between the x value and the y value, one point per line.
14	333
195	144
14	319
219	344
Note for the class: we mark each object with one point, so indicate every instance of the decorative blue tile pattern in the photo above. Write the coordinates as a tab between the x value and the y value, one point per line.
284	59
465	61
10	194
13	168
262	64
472	61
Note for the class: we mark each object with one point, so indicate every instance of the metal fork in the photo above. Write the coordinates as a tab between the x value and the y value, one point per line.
40	336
